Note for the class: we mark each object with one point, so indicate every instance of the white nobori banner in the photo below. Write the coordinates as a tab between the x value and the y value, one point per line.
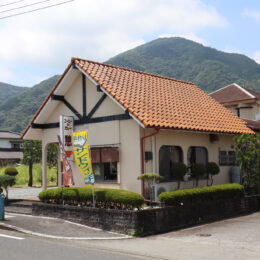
66	130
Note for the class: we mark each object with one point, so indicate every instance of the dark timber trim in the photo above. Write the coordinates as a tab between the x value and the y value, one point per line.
99	88
62	99
83	121
84	96
94	109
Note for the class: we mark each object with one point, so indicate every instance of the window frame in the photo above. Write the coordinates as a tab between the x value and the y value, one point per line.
169	177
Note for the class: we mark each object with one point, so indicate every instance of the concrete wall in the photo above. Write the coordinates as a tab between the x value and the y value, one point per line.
151	221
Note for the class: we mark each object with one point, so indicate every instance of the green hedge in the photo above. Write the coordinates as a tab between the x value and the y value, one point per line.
202	194
105	198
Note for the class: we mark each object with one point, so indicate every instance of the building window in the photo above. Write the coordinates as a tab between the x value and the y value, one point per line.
227	158
104	161
16	146
167	156
197	154
105	172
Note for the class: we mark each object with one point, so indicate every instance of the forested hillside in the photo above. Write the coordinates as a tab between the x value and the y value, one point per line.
183	59
16	112
7	91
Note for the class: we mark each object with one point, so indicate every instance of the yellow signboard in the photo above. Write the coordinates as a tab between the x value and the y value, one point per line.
82	156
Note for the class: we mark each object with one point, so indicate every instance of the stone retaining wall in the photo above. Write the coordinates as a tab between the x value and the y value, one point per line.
151	221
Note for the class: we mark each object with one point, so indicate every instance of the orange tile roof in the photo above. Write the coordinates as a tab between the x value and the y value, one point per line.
158	101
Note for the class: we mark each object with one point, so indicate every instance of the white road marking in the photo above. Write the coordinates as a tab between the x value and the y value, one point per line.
13	237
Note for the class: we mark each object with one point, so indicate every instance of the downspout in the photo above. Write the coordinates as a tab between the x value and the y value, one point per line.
157	130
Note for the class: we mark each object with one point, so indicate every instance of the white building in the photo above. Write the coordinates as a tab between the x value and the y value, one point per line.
137	122
10	148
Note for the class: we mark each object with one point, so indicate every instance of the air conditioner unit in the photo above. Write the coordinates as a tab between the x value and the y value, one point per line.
161	187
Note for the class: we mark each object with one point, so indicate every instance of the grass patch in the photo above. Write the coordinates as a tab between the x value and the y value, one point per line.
23	175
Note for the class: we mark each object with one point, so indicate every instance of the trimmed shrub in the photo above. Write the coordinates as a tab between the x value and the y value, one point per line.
198	170
179	169
202	194
5	182
212	169
104	198
11	171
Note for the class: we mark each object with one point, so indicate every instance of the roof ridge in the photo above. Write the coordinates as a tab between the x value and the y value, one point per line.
243	89
137	71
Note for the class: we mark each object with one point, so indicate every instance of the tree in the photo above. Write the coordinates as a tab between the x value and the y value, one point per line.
247	148
198	170
32	151
52	155
5	182
212	169
179	169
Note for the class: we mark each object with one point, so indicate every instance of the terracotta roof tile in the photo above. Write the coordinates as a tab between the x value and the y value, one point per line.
158	101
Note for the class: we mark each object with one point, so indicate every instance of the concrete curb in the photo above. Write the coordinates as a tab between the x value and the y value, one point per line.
22	230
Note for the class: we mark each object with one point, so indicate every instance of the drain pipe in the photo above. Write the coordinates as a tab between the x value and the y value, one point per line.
157	130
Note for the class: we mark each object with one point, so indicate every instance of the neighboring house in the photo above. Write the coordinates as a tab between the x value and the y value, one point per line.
137	122
243	102
10	148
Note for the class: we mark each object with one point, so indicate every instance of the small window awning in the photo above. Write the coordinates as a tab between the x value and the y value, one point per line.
104	155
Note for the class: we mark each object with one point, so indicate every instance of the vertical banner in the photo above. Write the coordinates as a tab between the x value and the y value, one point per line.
82	156
66	130
66	168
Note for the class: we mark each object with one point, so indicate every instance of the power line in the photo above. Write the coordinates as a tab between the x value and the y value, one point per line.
34	10
20	7
12	3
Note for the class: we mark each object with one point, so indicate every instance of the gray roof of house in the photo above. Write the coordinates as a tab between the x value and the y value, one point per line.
9	135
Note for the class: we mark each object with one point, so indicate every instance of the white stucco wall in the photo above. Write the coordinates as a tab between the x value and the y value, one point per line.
185	140
5	144
123	134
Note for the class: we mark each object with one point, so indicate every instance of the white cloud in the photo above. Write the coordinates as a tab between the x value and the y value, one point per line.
255	14
96	29
256	57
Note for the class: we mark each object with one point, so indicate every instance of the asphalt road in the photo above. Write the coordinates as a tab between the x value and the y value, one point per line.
18	246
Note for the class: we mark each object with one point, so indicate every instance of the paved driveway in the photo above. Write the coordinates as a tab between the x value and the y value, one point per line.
23	193
232	239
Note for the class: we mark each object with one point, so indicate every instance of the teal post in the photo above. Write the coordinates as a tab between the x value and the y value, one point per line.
2	206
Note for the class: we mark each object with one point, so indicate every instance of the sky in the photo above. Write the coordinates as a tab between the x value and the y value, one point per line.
37	45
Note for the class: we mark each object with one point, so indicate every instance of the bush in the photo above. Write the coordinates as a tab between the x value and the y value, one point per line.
198	170
212	169
106	198
5	182
179	169
202	194
11	171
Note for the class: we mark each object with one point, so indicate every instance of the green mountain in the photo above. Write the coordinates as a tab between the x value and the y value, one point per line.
179	58
183	59
8	91
16	112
